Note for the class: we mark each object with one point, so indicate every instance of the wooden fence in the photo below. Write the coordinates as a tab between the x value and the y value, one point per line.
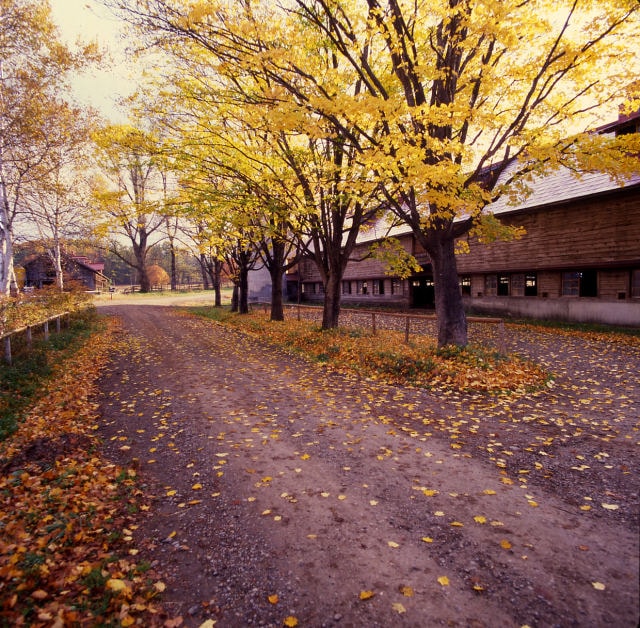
484	330
28	331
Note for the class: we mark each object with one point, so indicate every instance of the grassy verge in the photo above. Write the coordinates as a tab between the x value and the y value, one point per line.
386	357
22	382
67	514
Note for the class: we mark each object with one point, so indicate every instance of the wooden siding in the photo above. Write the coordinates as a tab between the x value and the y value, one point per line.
591	233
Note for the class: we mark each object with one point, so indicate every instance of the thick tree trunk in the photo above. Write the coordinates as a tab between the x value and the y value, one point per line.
451	318
243	284
143	278
217	283
235	300
204	271
277	308
331	309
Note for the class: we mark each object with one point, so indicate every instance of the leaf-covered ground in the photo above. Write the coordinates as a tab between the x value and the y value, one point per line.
223	481
66	553
283	491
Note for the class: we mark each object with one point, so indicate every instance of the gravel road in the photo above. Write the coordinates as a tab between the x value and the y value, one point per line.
277	489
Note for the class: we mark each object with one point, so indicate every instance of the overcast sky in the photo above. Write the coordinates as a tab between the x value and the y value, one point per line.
90	21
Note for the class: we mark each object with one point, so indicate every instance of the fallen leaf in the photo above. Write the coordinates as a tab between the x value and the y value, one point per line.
599	586
504	544
273	599
399	608
366	595
443	580
291	621
406	591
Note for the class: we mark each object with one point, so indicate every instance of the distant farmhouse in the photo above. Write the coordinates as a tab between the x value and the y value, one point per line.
39	271
579	260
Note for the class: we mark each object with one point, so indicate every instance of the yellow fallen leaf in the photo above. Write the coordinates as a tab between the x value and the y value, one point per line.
599	586
171	493
366	595
406	591
291	621
533	504
443	580
305	457
373	502
480	519
488	491
504	544
209	623
427	539
429	492
273	599
585	507
117	585
342	497
457	524
438	513
610	506
392	544
159	586
171	534
197	486
399	608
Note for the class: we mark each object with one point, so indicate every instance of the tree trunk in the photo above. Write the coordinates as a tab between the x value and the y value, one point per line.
143	277
235	300
243	284
277	308
451	318
217	282
174	280
204	271
57	264
331	308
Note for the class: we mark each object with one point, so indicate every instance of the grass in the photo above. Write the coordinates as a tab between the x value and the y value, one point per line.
386	357
22	381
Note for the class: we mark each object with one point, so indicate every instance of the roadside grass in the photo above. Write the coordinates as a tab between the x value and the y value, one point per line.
23	381
67	514
386	357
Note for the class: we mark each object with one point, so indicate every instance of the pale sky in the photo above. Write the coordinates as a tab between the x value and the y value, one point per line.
90	21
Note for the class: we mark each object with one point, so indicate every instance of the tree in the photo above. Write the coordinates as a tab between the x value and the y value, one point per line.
443	107
56	203
474	97
130	197
34	69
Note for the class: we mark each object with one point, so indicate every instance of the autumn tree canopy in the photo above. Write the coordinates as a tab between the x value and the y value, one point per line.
34	120
445	106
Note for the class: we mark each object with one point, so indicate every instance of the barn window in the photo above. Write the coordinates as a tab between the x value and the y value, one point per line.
465	285
491	285
531	285
503	285
378	286
635	283
346	287
580	283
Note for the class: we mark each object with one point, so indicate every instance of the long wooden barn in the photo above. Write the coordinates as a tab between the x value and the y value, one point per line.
578	261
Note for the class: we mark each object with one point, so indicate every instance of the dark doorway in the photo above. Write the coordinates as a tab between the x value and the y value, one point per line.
422	292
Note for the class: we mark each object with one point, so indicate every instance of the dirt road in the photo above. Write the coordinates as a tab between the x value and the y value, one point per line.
278	489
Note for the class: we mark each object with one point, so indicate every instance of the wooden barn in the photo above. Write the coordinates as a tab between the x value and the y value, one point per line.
39	272
579	260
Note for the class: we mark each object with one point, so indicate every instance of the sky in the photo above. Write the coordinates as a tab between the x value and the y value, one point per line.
90	21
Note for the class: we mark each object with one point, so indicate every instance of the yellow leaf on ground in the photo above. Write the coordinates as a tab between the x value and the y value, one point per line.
171	493
427	539
197	487
610	506
209	623
480	519
399	608
504	544
291	621
366	595
392	544
406	591
273	599
443	580
599	586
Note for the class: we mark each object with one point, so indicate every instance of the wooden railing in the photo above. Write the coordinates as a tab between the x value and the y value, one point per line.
28	332
410	323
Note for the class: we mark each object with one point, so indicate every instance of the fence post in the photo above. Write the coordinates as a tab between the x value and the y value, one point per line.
406	330
46	330
373	322
7	349
29	337
502	340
